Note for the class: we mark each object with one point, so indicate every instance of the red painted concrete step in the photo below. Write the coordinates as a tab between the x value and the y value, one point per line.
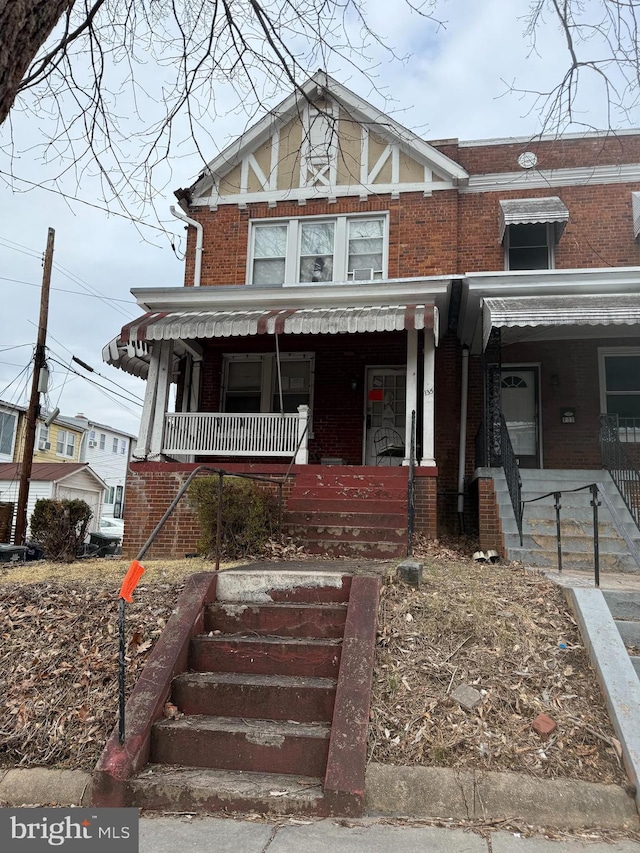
231	743
266	656
362	549
189	789
282	620
351	518
267	697
344	533
364	506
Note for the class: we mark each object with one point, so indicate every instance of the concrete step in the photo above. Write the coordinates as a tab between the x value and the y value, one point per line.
203	791
635	660
359	506
344	477
231	743
246	586
266	656
282	620
583	475
629	631
348	519
268	697
623	605
577	544
570	527
373	550
342	533
577	560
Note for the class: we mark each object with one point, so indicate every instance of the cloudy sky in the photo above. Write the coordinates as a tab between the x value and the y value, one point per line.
457	80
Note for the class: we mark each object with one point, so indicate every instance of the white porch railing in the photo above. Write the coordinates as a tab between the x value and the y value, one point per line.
221	434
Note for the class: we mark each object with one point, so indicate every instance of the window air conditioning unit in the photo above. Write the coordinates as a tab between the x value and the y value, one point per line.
44	445
93	442
363	275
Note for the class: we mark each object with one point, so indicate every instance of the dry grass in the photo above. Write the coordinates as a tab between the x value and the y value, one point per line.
508	633
494	627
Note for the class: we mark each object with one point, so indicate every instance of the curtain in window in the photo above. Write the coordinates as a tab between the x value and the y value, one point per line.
316	251
269	251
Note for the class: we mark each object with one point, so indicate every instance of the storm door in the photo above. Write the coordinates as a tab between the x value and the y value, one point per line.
519	391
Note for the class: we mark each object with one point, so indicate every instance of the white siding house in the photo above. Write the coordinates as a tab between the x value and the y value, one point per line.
107	450
57	480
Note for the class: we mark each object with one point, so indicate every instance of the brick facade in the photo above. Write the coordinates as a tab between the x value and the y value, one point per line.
449	232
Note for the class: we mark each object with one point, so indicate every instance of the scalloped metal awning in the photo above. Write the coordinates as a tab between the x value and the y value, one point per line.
532	211
200	325
574	310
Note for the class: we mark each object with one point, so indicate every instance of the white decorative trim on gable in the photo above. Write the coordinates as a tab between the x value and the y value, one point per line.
323	141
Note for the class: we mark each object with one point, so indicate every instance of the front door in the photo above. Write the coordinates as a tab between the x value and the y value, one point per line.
519	389
385	415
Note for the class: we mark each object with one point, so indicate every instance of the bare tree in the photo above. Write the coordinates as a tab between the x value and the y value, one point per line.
114	86
602	39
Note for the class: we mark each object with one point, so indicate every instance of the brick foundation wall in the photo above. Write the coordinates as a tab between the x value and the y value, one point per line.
489	517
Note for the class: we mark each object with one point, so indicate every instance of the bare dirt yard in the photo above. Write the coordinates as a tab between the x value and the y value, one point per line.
497	628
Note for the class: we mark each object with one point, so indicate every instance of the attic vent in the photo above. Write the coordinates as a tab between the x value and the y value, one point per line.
635	206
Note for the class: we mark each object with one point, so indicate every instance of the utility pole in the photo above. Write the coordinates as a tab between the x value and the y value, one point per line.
34	401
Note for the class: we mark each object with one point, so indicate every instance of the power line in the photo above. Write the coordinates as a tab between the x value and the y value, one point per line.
108	391
63	290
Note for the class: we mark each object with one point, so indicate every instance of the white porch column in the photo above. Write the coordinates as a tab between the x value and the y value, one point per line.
149	405
302	456
194	400
429	400
162	397
412	389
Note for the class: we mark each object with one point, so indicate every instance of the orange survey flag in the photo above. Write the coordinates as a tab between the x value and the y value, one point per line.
131	579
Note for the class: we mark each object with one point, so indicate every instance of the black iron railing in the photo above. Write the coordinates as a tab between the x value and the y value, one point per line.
411	487
493	449
618	463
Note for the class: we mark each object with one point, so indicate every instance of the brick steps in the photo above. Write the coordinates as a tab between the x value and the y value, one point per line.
250	696
272	714
232	743
350	512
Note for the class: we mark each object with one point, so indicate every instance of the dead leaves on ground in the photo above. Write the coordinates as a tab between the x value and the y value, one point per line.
508	634
59	667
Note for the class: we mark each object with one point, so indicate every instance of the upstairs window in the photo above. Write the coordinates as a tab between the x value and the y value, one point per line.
529	247
66	443
7	432
315	250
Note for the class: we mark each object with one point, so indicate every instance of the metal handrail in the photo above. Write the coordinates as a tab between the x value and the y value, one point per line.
597	491
616	460
511	470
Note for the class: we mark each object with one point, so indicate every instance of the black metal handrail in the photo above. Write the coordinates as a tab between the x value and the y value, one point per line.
616	460
598	493
511	473
411	486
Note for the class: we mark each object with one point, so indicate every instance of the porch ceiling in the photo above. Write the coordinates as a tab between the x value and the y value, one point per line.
550	311
200	325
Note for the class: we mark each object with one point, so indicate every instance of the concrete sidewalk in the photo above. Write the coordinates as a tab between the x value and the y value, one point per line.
214	835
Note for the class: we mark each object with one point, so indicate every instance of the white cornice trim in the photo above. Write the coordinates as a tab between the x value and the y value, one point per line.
240	297
546	137
545	178
309	193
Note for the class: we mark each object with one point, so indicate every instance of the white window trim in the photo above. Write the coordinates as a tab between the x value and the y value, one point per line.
603	352
9	456
341	245
67	435
551	245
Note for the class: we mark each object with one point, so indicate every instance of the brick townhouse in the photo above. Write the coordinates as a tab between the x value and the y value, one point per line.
356	298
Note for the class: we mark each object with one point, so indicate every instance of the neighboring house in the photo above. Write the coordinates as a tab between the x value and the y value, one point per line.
9	417
107	449
56	480
343	273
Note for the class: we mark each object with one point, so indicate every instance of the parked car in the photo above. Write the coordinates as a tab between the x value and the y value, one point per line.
112	526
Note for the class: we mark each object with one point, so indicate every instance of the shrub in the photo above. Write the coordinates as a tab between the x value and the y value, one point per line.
60	527
249	516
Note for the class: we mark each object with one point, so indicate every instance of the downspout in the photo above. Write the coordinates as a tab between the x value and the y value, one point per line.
199	241
464	386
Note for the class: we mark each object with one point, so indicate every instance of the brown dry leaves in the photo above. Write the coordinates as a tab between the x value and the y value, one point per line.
59	666
508	633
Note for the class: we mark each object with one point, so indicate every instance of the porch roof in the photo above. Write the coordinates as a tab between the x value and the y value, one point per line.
200	325
574	310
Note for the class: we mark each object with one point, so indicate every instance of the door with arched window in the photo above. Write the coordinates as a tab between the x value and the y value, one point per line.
519	391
